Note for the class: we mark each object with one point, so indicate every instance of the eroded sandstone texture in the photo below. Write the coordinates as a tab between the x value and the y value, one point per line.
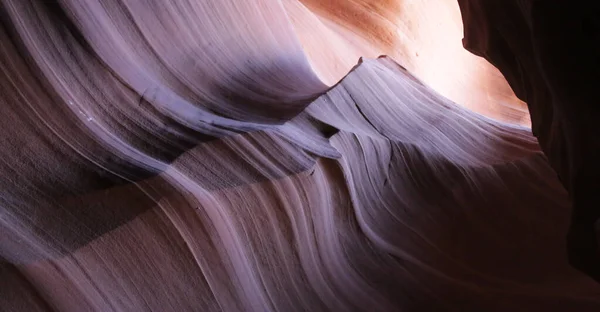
225	155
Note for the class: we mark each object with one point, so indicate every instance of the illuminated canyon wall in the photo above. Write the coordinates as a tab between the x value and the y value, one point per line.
261	155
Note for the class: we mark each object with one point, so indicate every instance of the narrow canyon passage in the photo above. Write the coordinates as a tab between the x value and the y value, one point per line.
297	155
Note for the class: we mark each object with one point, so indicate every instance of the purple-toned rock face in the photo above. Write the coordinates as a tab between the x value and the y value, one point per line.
228	155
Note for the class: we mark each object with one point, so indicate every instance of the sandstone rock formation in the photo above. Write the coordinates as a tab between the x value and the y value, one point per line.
224	155
548	52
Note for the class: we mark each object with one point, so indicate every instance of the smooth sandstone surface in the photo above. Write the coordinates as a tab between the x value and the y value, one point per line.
260	155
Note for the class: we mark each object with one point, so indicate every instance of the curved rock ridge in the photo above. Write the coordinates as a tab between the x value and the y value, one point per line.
418	203
200	156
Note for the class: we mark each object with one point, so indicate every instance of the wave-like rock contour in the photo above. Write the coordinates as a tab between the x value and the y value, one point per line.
226	156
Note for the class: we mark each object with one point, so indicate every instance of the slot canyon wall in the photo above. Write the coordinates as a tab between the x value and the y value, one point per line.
264	155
